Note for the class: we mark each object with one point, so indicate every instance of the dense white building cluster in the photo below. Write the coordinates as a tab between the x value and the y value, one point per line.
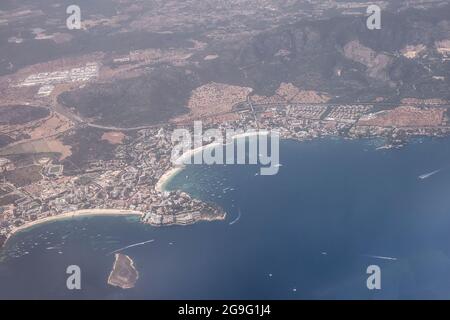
81	74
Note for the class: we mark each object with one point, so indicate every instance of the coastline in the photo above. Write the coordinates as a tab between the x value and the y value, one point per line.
73	214
168	175
160	187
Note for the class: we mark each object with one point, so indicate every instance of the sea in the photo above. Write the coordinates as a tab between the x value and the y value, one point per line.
335	209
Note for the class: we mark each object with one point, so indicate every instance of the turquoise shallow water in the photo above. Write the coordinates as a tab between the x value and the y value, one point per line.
336	207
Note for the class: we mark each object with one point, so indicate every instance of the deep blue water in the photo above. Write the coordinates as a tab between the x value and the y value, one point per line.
307	233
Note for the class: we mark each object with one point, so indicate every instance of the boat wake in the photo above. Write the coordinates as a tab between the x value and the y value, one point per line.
380	257
237	218
427	175
131	246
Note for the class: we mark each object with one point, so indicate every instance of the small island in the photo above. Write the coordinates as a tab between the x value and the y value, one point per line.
124	273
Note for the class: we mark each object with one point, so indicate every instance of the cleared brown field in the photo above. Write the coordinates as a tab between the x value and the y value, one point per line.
39	146
113	137
214	98
405	117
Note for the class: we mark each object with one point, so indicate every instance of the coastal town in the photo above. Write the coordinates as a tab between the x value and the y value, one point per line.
240	149
134	180
82	135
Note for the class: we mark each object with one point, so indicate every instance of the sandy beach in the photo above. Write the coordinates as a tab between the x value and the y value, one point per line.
74	214
186	157
166	177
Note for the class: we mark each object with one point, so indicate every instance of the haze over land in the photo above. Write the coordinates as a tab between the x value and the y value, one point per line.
86	116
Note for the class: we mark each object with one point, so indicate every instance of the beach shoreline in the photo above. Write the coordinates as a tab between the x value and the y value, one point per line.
168	175
160	187
73	214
